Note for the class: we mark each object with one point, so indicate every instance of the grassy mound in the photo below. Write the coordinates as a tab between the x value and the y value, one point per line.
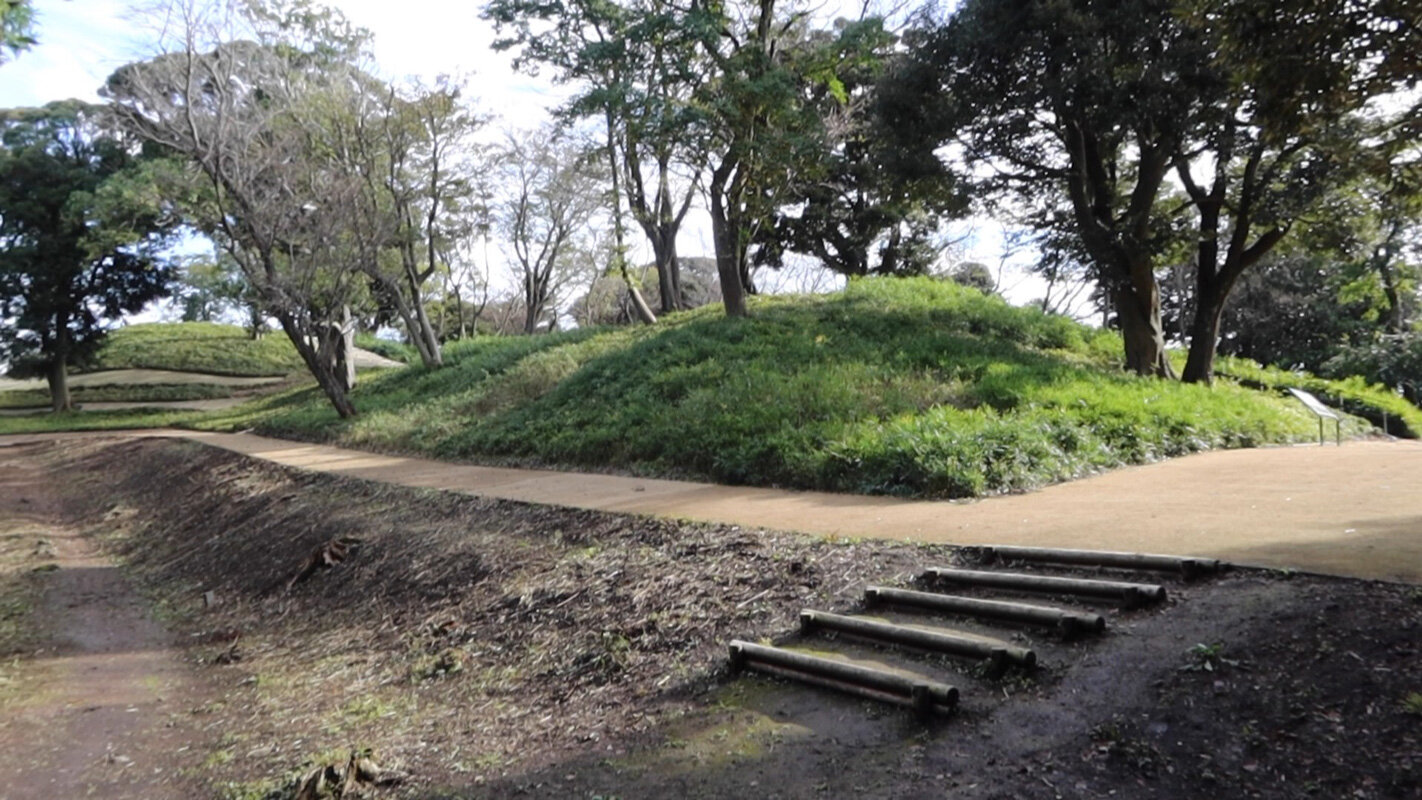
197	347
911	387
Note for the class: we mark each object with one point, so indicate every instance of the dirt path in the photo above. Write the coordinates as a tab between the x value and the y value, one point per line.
102	709
209	404
1354	511
133	377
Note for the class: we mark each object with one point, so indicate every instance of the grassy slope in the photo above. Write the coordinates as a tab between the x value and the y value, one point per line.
197	347
900	387
185	347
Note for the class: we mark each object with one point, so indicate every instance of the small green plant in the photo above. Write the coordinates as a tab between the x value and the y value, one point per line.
1207	658
1412	704
449	661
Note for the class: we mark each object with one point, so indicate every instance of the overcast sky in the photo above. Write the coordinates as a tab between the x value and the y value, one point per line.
83	41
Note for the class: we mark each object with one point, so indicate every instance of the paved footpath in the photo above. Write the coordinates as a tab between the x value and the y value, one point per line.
1354	510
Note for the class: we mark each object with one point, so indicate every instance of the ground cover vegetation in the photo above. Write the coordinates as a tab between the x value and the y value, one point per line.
899	386
118	393
206	347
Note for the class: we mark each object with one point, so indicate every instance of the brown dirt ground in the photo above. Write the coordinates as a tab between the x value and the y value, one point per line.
488	648
97	709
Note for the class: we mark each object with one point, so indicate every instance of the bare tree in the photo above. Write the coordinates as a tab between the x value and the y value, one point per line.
238	93
550	196
412	148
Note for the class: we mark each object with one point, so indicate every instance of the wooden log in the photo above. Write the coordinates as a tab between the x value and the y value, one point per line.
1068	623
939	641
1188	566
928	697
1130	595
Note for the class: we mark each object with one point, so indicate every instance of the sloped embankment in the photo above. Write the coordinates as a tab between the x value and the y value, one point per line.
449	633
489	648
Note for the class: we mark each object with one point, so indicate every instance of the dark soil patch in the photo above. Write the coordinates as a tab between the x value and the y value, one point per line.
490	648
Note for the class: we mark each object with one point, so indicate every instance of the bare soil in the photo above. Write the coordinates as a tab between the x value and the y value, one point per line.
488	648
93	705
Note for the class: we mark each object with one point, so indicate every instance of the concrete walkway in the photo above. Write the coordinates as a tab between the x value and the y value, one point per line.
1354	510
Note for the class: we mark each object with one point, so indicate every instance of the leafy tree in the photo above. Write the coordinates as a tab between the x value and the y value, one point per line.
1260	111
638	68
208	288
765	137
16	27
975	275
412	151
874	208
1346	276
80	233
1393	360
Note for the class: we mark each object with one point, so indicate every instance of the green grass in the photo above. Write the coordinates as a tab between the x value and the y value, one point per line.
395	351
122	393
197	347
899	387
904	387
1352	395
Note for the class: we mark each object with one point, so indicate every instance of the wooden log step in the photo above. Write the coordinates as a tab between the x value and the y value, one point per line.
1129	595
1188	566
1068	623
924	696
998	653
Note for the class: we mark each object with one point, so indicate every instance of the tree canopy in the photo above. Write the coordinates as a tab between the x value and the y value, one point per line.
16	27
1257	112
81	234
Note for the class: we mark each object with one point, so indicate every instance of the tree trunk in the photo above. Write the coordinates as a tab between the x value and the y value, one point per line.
668	271
639	303
726	237
1204	335
256	320
1141	329
58	374
532	309
733	294
619	244
345	351
322	369
422	332
59	385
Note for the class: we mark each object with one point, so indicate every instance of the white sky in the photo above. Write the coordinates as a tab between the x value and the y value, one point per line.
83	41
